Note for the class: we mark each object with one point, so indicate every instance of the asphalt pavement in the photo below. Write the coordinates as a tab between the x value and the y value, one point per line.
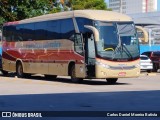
38	94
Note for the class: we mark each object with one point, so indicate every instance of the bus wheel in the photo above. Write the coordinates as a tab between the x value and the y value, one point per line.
73	75
111	80
19	70
50	77
4	73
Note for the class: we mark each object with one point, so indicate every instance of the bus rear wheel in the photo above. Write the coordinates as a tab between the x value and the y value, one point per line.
111	80
19	70
73	75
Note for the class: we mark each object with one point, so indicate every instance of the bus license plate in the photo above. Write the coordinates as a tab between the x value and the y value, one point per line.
122	74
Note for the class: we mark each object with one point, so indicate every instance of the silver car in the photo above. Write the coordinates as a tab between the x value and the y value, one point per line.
146	63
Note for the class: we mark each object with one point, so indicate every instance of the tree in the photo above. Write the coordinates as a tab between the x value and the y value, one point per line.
86	4
13	10
20	9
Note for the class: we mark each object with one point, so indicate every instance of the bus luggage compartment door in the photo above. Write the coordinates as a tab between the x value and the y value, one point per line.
80	70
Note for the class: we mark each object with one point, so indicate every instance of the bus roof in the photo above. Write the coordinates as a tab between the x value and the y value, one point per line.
101	15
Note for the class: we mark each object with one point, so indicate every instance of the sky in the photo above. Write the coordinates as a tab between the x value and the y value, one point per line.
158	4
107	1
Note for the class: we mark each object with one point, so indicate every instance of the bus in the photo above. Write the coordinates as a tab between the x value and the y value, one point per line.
83	44
149	38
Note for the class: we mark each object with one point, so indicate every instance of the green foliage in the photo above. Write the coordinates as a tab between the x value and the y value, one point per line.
89	4
13	10
2	20
84	4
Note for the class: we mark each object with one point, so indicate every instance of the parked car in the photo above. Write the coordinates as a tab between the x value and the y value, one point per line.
146	63
155	57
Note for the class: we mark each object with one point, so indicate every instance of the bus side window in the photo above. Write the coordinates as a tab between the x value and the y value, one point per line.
18	35
8	33
78	45
67	28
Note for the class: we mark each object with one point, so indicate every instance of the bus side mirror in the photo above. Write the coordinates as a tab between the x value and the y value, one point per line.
144	33
94	30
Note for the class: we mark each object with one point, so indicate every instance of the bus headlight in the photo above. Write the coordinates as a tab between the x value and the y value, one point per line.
137	66
103	65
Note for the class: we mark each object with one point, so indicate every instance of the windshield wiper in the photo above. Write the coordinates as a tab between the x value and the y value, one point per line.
117	49
122	48
127	51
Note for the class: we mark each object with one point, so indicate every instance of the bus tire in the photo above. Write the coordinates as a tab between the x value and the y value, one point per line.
50	77
19	70
111	80
4	73
73	75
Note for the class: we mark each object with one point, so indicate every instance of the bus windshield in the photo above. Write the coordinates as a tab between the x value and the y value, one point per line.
118	41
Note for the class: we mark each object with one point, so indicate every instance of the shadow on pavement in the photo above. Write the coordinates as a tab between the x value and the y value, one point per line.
92	101
68	80
111	101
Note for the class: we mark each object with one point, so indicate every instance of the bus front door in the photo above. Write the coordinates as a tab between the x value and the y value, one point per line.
90	54
80	66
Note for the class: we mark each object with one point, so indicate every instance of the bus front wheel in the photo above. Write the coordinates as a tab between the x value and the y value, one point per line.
111	80
73	75
19	70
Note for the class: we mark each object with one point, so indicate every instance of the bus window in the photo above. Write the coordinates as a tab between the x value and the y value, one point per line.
40	30
53	30
8	33
18	33
28	32
83	21
67	28
78	45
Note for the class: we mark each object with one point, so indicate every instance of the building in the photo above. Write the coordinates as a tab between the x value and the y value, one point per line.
133	6
144	19
150	22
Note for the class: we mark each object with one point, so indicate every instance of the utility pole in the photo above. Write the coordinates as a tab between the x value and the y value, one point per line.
120	6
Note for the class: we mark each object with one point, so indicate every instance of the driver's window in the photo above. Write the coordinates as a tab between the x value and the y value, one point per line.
78	45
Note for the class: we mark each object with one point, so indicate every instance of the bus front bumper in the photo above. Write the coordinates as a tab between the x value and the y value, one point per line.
116	71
